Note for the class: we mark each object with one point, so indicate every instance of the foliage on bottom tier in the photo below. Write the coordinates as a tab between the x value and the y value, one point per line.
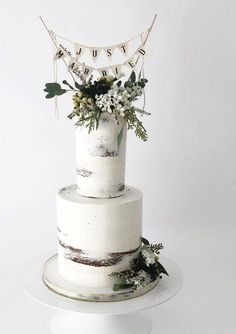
145	269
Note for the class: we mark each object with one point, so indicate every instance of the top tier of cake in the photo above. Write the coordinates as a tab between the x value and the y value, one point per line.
100	159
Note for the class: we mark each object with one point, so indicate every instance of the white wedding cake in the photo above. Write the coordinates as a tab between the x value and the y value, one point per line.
99	219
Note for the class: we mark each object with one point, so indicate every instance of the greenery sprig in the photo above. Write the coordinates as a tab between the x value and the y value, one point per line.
107	94
134	123
145	269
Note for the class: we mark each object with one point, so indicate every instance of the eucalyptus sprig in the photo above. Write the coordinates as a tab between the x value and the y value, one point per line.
53	89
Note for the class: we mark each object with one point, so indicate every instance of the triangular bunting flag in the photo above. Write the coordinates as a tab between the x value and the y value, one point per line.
104	71
60	53
79	50
94	53
131	63
73	64
116	69
141	51
86	70
109	51
123	47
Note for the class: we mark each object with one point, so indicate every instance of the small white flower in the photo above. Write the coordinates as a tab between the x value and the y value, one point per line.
117	100
141	279
148	255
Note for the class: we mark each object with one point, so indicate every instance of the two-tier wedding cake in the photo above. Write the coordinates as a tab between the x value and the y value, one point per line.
99	219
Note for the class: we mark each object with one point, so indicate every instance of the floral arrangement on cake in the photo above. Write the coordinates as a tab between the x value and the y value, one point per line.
145	269
107	94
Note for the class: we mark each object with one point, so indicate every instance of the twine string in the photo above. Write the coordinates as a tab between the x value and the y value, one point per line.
143	75
101	47
55	75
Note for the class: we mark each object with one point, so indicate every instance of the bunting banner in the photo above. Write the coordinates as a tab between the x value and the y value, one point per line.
74	63
95	51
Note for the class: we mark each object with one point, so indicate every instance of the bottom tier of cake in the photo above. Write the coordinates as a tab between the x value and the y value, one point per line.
97	236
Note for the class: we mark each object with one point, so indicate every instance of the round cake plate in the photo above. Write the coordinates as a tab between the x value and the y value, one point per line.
118	317
55	282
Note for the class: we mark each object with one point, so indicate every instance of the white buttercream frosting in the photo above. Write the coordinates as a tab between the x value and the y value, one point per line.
97	236
100	159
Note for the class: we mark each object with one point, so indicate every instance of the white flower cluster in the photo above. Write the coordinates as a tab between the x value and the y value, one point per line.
118	100
140	280
149	256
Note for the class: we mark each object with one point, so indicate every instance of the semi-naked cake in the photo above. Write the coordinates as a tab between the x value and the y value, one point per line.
98	236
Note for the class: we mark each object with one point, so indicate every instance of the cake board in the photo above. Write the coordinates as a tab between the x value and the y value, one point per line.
123	317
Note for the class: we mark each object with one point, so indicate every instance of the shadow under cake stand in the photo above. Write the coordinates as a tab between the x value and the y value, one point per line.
118	317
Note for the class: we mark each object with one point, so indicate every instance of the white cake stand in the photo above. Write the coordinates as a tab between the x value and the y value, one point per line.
121	317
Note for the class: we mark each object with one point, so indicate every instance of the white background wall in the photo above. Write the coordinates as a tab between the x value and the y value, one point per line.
186	169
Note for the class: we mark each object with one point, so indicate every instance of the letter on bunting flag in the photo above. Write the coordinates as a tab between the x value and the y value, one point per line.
109	52
94	53
73	64
79	50
60	53
116	69
123	47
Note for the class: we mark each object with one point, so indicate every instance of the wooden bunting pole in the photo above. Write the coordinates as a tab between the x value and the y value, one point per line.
44	24
146	38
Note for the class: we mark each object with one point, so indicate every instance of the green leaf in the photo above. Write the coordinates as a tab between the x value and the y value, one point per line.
145	241
141	84
139	76
143	80
50	95
48	84
97	116
128	84
119	138
71	115
161	269
53	88
117	287
60	92
77	85
66	83
53	85
133	77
